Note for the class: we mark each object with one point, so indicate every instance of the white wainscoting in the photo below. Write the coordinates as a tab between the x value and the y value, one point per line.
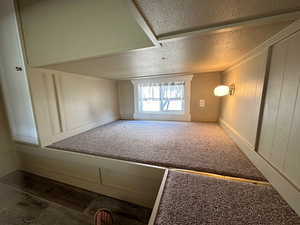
128	181
67	104
285	188
254	131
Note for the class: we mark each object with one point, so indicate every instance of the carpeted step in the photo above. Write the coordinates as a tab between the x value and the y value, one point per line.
191	199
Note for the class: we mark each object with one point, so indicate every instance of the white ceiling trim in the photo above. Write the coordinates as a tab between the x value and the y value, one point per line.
232	25
141	20
286	32
165	78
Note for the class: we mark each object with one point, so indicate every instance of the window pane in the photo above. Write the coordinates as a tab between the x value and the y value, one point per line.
173	96
150	92
170	91
172	105
161	97
151	106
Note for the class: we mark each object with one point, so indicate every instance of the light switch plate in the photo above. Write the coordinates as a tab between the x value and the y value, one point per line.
202	103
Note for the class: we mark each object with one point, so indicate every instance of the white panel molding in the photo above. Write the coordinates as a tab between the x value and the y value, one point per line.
51	105
87	172
124	195
285	33
81	129
141	20
285	188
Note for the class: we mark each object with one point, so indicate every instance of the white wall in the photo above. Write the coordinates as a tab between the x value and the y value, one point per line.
277	146
67	104
128	181
241	111
15	85
57	31
8	158
280	134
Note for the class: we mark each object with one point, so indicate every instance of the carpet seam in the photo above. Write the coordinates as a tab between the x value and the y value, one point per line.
218	176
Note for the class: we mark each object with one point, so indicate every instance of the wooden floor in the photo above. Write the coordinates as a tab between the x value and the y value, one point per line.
30	199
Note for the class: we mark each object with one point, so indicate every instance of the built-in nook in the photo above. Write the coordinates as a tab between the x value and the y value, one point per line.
166	113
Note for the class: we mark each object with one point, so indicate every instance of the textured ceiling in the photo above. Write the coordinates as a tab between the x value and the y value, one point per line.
168	16
207	52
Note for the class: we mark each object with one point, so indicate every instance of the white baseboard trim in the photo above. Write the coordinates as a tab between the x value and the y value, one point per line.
69	133
242	142
126	116
285	188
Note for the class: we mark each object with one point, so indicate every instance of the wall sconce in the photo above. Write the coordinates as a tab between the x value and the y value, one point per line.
223	90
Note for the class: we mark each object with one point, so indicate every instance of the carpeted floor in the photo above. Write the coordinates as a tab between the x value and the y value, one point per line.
195	200
197	146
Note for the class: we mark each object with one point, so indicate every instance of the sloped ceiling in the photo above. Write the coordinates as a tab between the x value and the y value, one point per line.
193	54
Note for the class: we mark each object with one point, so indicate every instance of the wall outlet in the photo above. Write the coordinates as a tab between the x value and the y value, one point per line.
202	103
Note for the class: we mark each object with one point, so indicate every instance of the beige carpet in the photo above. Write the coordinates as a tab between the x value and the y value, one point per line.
196	146
198	200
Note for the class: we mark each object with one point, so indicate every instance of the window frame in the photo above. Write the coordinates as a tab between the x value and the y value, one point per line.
182	115
160	99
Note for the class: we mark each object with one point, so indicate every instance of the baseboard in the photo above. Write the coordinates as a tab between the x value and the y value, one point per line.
285	188
78	130
242	142
126	116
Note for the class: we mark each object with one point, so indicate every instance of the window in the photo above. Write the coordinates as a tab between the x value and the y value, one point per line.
162	98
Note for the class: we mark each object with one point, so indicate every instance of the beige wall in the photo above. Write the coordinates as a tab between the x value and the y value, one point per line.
8	161
240	112
67	104
126	99
202	88
57	30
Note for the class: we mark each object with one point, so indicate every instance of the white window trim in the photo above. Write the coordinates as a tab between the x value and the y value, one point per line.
178	116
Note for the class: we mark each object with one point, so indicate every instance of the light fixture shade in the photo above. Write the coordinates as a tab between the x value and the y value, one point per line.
221	90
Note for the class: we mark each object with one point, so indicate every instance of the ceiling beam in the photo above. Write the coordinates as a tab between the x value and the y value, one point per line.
231	25
141	20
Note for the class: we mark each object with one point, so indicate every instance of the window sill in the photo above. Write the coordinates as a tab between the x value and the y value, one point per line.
163	116
164	113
